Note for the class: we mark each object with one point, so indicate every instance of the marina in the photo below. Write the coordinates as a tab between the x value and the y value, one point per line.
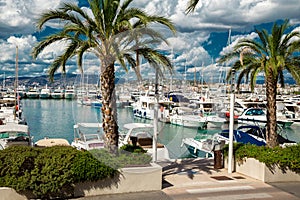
55	118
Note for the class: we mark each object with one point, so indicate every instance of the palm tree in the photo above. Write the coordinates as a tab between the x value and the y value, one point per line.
114	32
271	54
191	6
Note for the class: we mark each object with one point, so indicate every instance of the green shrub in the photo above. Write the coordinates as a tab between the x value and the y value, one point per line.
133	148
49	172
284	158
133	157
16	164
87	167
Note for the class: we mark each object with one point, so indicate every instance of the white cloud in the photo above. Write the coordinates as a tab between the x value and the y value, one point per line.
18	18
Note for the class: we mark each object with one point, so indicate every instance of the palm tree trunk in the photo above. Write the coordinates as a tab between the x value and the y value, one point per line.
271	90
109	108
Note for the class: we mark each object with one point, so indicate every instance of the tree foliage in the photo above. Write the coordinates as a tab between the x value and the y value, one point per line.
273	55
114	32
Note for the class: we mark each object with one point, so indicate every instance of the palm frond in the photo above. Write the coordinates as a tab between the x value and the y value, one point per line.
191	6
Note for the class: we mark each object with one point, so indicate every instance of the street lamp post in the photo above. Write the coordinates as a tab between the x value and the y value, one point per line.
155	121
231	123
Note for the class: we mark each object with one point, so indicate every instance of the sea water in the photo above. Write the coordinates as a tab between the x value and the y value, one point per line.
55	118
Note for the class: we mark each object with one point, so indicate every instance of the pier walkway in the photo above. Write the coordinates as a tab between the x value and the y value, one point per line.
196	179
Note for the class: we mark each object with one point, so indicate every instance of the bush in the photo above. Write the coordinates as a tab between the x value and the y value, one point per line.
49	172
284	158
135	156
133	148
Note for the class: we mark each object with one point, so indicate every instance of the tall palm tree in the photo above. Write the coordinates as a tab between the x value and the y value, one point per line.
114	32
271	54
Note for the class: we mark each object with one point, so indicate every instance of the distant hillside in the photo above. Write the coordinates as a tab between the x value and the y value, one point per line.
59	80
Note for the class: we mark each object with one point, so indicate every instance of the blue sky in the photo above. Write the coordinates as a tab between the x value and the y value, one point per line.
201	38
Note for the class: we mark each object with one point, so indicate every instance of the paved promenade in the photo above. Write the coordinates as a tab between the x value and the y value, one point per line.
196	179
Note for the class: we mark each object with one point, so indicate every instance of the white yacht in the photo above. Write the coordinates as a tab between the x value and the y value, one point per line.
187	117
144	107
58	93
70	93
45	93
257	116
141	134
88	136
33	93
13	134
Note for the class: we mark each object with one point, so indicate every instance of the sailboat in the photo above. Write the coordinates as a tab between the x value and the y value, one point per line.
12	131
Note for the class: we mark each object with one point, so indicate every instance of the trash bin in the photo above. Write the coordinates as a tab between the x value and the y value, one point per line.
218	157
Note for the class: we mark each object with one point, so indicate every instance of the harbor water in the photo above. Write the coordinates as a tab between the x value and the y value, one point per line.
55	118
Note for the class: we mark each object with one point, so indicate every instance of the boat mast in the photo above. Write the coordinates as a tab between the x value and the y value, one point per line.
3	83
16	85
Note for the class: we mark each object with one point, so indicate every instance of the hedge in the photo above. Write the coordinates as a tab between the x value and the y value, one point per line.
49	172
287	158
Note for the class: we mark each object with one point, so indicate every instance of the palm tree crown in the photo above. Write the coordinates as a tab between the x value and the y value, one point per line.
114	32
272	54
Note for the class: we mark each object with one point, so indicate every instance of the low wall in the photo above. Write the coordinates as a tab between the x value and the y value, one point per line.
9	194
255	169
133	179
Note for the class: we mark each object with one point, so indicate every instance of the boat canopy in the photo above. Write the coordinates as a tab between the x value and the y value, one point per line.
88	125
137	125
14	128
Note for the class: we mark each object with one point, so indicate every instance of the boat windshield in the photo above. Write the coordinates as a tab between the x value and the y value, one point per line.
255	112
12	135
91	137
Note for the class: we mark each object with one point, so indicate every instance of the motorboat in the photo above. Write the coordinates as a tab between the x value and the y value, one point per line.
88	136
145	104
11	115
243	134
58	93
70	93
260	134
96	103
215	120
257	116
206	147
45	93
187	117
49	142
13	134
33	93
141	134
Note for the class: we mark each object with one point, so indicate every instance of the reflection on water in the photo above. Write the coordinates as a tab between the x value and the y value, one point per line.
55	118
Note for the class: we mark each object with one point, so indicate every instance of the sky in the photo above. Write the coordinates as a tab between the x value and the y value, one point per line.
201	37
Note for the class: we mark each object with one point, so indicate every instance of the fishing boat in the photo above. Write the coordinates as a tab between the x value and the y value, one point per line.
88	136
141	134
